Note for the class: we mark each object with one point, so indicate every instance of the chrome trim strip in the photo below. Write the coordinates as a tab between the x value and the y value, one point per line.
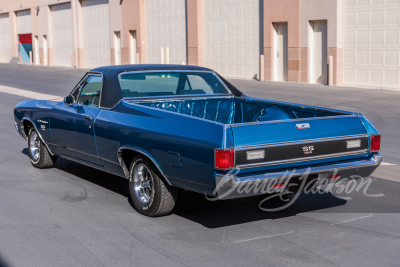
303	141
294	120
224	141
153	71
172	112
85	77
177	97
376	160
112	106
40	136
16	128
125	169
263	164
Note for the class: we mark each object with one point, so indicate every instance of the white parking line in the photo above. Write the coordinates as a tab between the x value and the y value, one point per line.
354	219
262	237
28	94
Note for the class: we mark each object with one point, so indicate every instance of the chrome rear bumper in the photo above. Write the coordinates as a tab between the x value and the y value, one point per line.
230	186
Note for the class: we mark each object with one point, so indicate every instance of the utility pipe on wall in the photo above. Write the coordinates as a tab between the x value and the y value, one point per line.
162	55
330	72
167	54
261	68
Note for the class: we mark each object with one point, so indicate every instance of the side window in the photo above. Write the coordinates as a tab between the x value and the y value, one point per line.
90	92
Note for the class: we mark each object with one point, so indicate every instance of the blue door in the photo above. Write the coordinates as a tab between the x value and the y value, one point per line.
72	126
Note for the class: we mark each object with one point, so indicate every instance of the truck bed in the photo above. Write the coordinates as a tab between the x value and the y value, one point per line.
228	110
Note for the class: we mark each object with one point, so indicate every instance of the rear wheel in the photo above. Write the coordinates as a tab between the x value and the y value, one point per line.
150	195
40	156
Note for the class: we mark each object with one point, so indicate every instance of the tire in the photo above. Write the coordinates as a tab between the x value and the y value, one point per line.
38	153
150	195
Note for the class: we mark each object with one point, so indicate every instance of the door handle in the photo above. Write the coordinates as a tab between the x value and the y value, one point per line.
89	118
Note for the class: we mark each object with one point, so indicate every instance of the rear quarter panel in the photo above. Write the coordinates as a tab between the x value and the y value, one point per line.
156	133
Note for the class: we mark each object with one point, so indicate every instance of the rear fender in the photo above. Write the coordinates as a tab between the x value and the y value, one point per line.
142	152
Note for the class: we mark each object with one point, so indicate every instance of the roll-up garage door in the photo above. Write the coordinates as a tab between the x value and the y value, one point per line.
165	27
96	17
5	40
63	37
232	37
371	49
24	22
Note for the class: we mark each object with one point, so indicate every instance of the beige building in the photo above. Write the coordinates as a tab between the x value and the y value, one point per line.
340	42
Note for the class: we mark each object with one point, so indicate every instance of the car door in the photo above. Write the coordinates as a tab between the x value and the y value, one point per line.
72	126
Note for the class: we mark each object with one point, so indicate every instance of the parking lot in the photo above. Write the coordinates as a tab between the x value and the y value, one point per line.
73	215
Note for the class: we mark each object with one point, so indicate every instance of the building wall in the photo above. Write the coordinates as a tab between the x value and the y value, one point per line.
329	10
133	19
363	35
282	11
115	26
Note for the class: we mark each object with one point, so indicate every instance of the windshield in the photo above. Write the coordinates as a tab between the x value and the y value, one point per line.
170	84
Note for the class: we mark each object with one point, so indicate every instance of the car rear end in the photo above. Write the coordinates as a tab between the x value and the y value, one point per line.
264	157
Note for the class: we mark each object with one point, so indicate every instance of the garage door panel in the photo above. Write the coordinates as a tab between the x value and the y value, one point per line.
24	22
165	27
96	32
5	38
231	37
371	43
63	43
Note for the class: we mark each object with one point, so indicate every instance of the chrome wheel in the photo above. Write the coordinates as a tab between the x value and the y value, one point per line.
143	183
34	145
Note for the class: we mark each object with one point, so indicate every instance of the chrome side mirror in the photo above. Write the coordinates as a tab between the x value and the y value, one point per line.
69	100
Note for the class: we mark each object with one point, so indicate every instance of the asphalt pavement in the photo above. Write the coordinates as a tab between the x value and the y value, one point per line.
73	215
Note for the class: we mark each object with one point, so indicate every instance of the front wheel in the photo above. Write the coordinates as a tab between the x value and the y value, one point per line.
150	195
40	156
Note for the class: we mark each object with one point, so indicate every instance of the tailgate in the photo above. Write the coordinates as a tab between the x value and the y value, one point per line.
298	140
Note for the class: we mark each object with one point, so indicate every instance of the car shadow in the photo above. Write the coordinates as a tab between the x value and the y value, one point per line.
215	214
211	214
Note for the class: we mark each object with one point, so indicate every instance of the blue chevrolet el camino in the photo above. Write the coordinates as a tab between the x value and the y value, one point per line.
165	127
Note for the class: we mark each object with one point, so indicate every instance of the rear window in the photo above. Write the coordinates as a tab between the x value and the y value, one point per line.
170	84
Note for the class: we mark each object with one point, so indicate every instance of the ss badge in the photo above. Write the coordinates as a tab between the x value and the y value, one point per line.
308	149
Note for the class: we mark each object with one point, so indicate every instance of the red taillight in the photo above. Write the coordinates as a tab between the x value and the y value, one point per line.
375	143
224	159
278	185
333	177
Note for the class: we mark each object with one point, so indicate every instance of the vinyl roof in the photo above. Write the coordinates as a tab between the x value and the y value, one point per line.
111	93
